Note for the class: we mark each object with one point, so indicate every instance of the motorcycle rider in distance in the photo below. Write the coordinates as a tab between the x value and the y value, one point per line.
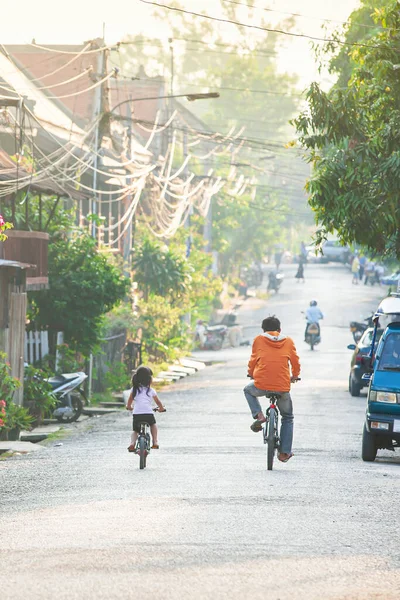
313	315
271	355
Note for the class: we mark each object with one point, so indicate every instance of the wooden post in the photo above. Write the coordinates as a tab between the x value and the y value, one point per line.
16	341
40	212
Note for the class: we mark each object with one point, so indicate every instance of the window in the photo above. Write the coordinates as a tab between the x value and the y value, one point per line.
390	356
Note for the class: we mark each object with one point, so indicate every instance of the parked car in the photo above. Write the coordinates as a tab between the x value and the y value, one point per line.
360	363
332	250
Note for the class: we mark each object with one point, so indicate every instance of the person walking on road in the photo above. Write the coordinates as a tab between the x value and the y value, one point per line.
355	269
363	262
272	353
300	271
141	398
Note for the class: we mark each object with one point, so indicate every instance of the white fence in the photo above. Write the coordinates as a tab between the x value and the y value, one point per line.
36	346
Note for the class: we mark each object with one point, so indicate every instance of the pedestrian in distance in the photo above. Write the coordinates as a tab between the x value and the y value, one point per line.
355	269
141	397
303	252
363	262
271	355
300	271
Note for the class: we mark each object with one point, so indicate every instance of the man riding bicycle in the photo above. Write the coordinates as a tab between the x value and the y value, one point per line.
269	368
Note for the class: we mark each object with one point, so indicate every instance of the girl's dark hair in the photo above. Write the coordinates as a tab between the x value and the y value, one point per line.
142	378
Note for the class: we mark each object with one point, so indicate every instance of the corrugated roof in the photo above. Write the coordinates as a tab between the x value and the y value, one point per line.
14	264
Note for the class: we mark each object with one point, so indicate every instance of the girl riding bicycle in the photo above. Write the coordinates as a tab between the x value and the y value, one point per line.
141	398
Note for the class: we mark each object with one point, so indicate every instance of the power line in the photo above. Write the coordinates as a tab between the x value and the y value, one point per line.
272	10
220	87
57	51
260	28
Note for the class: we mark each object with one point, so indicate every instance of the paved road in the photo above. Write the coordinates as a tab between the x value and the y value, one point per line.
206	520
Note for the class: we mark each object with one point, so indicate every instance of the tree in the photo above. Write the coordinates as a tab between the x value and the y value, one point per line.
352	138
84	285
159	271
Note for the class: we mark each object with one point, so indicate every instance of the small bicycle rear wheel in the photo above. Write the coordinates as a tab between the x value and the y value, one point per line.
271	439
142	452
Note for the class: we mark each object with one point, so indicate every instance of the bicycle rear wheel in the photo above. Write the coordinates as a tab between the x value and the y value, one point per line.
142	452
271	439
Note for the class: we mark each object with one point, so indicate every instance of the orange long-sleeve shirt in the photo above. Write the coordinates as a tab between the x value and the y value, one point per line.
271	355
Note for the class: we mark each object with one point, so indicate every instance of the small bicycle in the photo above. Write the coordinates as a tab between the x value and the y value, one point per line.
271	427
143	444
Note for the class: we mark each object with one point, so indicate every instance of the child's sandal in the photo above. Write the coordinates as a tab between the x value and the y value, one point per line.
155	447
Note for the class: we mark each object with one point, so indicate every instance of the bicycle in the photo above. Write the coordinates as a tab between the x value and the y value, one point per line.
143	444
271	427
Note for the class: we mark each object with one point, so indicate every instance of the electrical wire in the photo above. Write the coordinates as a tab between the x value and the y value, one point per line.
260	28
56	51
273	10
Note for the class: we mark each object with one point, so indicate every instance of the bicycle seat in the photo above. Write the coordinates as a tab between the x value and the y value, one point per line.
273	394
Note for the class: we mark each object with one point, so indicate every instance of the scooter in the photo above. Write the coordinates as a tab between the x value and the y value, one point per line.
313	334
214	337
274	281
70	395
357	328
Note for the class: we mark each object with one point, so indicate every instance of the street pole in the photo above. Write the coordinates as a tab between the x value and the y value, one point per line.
101	105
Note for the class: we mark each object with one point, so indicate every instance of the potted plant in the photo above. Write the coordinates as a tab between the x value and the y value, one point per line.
16	418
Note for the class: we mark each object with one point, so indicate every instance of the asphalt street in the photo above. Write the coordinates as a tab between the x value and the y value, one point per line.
206	519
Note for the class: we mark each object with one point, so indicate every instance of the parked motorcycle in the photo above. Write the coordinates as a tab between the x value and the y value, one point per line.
313	334
275	280
357	328
70	395
212	337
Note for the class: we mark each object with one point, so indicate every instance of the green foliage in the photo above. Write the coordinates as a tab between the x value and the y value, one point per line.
38	394
84	285
159	271
8	383
17	417
117	377
352	136
11	415
69	360
164	333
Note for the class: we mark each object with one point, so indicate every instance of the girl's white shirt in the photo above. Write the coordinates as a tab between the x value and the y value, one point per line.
143	401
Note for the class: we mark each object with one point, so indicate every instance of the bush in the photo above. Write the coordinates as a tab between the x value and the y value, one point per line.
38	394
117	378
165	335
11	415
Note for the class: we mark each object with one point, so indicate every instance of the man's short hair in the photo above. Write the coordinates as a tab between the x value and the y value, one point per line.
271	324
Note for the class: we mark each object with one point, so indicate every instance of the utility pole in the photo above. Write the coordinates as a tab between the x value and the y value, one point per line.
101	107
126	202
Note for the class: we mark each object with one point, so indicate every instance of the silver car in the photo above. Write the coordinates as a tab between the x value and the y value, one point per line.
332	250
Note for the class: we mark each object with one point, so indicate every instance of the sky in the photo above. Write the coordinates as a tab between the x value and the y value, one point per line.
75	21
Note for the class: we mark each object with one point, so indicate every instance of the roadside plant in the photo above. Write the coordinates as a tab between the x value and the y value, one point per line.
11	415
17	417
38	394
4	225
69	359
117	377
8	383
